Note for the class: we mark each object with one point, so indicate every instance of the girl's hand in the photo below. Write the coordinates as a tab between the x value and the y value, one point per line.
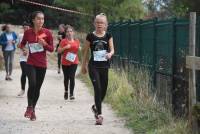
42	42
60	50
67	46
59	37
10	42
24	52
13	42
108	56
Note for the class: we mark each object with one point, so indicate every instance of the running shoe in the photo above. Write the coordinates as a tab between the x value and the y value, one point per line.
71	97
21	93
66	95
33	116
6	78
94	110
99	120
9	78
58	71
28	112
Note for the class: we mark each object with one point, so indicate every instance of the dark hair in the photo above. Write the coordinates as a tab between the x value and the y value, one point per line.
4	27
25	24
33	15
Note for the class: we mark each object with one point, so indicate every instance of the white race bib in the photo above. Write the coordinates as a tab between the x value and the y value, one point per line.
100	55
35	47
70	56
22	58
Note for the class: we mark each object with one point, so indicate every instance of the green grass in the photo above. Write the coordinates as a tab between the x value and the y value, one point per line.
133	100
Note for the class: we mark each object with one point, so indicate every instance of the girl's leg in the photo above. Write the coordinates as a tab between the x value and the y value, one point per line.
66	80
72	78
11	57
23	75
6	55
31	73
59	62
40	74
23	78
103	81
95	79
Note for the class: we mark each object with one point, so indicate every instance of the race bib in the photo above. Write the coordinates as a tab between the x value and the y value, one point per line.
35	47
71	57
23	58
100	55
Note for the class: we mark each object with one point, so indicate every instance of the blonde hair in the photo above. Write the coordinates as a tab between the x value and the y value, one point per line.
102	15
68	27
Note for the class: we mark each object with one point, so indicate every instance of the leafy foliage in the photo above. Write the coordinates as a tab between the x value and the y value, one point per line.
115	10
178	8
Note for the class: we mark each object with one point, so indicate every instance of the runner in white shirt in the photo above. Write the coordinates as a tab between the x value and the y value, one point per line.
23	59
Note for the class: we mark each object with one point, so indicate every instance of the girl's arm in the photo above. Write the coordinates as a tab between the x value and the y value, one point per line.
3	40
85	52
48	45
61	48
23	43
111	47
16	38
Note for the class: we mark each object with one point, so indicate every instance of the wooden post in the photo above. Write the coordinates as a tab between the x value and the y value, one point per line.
192	75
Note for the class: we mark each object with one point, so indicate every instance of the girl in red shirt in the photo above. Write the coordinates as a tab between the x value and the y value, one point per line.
39	41
69	49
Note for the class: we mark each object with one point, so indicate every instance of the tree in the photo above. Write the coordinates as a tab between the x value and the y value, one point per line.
158	8
114	9
177	8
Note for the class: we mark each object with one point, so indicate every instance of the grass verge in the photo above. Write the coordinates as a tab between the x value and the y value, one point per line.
132	100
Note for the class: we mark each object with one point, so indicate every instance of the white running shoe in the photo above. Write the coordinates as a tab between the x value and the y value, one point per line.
21	93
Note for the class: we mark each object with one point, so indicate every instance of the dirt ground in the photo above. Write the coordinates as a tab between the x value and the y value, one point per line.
54	114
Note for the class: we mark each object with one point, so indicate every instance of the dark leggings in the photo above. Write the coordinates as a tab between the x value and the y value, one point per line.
35	79
23	75
69	75
59	60
99	79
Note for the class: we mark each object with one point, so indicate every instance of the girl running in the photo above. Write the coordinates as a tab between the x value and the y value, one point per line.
23	59
100	43
69	49
39	41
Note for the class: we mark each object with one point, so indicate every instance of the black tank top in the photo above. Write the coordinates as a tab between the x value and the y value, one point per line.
99	45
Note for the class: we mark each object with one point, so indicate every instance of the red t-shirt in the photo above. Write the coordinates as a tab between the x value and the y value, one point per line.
73	50
37	58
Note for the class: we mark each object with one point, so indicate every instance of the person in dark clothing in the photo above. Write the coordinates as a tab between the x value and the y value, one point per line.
61	35
100	43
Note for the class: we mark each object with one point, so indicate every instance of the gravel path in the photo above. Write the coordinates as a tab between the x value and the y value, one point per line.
54	114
